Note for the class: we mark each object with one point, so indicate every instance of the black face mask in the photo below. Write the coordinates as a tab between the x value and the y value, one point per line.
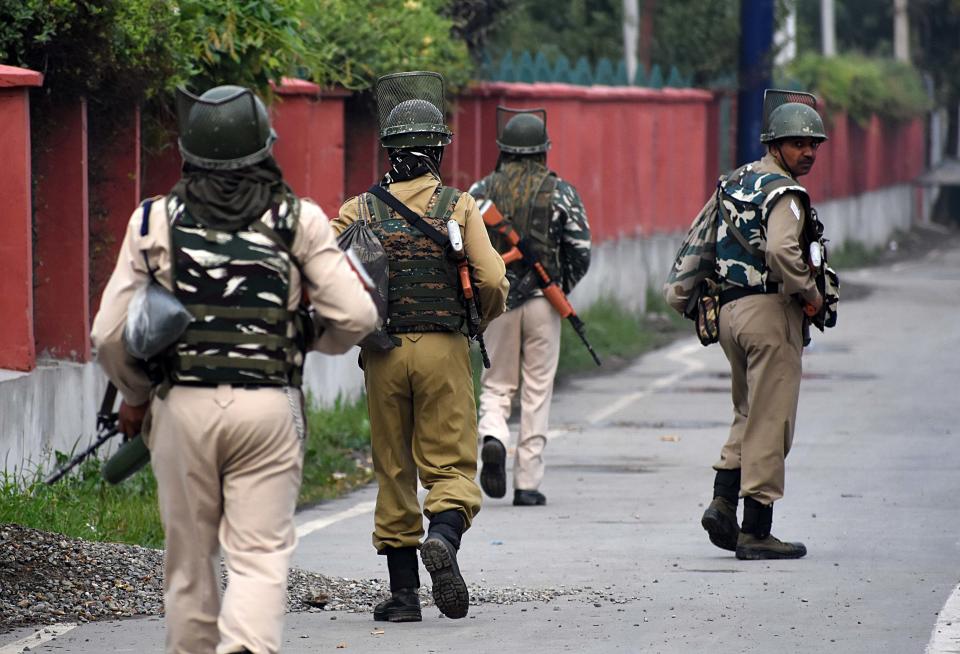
408	163
231	199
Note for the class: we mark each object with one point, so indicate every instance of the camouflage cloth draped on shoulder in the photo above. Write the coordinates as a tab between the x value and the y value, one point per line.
569	228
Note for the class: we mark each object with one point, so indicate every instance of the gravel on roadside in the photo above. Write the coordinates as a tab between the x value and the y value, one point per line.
48	578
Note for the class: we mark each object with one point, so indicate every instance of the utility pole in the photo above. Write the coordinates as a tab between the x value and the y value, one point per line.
631	37
901	31
828	29
756	41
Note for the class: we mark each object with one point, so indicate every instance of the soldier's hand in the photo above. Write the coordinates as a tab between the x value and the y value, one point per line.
817	304
130	419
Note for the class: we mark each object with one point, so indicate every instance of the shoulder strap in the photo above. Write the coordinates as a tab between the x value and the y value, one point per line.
144	230
145	217
445	203
737	234
261	228
409	215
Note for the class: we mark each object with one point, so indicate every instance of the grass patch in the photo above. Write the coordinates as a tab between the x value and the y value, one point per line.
617	334
854	254
337	450
82	505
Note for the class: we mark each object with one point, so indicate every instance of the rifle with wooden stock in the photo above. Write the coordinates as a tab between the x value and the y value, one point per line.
520	250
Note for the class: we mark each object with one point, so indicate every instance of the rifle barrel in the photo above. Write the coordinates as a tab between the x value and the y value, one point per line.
80	458
580	328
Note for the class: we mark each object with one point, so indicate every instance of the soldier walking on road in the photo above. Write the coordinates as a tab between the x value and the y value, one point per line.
524	343
234	245
420	391
765	283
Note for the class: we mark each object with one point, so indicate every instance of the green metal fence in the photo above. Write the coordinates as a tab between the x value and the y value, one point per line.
530	68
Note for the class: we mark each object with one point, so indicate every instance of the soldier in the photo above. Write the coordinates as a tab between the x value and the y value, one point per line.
234	245
420	392
524	343
763	274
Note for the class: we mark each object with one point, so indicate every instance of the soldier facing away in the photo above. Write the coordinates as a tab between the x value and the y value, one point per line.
234	245
524	343
765	283
420	391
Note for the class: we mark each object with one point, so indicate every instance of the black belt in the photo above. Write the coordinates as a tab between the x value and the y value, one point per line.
738	292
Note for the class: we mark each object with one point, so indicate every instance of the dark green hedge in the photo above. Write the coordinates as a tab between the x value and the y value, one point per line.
862	86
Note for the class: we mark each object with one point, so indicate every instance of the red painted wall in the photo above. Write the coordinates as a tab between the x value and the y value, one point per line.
16	283
644	161
310	141
114	192
62	231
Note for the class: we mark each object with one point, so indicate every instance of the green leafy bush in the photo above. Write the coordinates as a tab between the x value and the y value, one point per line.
127	49
356	41
121	49
862	86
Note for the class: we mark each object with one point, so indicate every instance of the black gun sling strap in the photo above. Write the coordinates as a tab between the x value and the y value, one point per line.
425	228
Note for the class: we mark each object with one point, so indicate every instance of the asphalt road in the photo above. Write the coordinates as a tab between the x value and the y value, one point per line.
873	489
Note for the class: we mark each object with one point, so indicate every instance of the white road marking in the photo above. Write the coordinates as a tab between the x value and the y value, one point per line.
946	635
40	637
682	355
306	528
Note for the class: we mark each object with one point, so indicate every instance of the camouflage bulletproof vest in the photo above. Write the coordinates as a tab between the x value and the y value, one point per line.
523	192
747	197
236	286
423	293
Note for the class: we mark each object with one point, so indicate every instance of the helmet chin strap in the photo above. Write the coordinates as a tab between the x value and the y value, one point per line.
782	161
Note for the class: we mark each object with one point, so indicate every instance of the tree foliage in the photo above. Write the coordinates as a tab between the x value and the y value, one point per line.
863	86
573	28
85	46
137	48
699	37
356	41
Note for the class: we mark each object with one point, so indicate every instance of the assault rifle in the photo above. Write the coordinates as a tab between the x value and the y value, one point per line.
127	460
470	299
520	250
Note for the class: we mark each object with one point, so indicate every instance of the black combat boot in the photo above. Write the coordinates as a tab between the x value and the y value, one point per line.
439	556
528	498
493	474
403	605
756	542
720	518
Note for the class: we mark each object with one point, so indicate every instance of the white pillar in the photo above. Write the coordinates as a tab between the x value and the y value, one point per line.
828	29
631	36
785	40
901	31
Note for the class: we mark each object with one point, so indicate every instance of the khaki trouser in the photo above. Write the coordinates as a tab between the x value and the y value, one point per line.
523	343
228	463
423	419
762	338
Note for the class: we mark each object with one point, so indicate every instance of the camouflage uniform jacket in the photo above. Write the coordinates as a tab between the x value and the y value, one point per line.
775	227
569	230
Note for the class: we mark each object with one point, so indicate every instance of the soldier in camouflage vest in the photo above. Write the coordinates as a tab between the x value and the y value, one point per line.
423	420
765	281
235	246
524	343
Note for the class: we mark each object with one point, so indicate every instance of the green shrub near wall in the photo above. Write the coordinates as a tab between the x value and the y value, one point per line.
129	49
862	86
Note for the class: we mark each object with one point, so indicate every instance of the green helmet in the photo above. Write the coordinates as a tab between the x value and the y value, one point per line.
410	107
226	128
788	114
522	131
794	119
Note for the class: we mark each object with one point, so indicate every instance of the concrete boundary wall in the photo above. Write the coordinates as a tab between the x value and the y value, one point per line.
50	408
54	407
